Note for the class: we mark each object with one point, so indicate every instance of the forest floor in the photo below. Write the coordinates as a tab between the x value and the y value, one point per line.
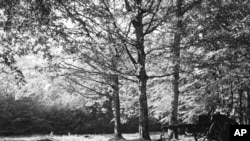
104	137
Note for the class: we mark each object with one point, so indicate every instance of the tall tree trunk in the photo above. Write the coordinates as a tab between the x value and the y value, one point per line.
248	107
142	76
116	103
240	104
115	95
176	69
143	110
115	84
232	98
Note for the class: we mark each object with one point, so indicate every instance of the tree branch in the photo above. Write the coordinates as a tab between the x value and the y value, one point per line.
190	6
160	76
148	30
91	89
129	54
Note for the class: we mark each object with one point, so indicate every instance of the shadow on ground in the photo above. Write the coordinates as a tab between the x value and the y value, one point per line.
122	139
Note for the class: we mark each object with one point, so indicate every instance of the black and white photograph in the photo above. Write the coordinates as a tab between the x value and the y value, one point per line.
124	70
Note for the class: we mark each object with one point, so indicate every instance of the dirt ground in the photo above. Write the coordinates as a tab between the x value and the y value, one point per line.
104	137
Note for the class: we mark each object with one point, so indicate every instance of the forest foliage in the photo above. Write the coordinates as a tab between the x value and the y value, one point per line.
77	61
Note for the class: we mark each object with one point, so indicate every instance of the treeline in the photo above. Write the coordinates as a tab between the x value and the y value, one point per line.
27	116
176	59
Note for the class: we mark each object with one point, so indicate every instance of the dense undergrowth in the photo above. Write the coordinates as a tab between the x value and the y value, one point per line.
27	116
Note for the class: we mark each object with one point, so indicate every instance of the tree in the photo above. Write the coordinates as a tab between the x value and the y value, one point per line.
44	23
182	12
144	19
94	69
142	27
218	62
196	51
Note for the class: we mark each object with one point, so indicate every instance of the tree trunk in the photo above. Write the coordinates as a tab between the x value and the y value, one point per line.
176	70
116	103
114	78
174	112
142	76
248	107
240	104
232	98
143	110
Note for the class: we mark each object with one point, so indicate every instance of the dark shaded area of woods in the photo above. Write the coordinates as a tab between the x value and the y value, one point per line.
173	60
27	117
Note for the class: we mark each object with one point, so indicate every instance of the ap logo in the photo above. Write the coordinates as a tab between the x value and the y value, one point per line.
239	132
